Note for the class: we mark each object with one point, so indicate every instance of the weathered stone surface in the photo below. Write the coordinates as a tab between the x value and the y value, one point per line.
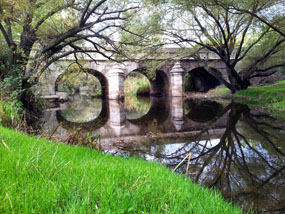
169	81
177	80
116	83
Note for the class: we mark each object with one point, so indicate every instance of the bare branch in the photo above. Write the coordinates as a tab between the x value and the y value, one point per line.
86	14
7	38
50	14
251	70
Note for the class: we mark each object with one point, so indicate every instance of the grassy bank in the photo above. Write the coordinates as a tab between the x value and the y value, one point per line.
136	85
270	96
37	176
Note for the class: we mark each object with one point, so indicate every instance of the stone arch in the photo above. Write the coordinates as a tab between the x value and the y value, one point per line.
201	80
102	79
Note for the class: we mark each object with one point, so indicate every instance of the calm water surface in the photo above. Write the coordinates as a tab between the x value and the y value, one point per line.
238	150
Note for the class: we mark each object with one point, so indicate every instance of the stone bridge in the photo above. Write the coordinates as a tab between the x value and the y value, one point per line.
169	79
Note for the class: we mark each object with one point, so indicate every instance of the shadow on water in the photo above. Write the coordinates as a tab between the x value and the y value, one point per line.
235	149
210	109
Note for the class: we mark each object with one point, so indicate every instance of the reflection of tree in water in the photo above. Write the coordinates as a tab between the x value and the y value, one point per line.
193	109
82	109
136	107
249	170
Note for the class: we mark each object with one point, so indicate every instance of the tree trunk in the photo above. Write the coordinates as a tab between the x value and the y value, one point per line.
28	38
236	81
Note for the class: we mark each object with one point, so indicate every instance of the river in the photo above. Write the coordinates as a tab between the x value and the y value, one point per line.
236	149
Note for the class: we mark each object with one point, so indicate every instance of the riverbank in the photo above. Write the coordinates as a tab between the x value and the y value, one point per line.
271	96
37	176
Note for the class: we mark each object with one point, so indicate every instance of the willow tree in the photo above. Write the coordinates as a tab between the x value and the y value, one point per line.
54	29
245	35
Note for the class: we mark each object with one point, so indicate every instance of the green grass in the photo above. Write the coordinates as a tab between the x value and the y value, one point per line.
270	96
37	176
219	92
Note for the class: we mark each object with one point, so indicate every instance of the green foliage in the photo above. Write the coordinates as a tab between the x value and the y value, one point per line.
10	90
153	65
187	81
10	77
146	43
136	84
10	112
263	46
247	29
136	104
75	80
270	96
143	90
37	176
11	85
4	58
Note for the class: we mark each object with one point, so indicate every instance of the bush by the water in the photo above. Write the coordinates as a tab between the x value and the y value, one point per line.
10	112
137	85
187	81
79	82
37	176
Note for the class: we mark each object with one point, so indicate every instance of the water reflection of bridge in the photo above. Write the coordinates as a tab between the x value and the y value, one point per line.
165	119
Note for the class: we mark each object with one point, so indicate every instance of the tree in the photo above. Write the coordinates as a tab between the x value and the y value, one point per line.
233	30
55	29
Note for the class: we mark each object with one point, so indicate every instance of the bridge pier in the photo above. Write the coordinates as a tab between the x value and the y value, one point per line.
116	83
117	116
177	80
177	112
